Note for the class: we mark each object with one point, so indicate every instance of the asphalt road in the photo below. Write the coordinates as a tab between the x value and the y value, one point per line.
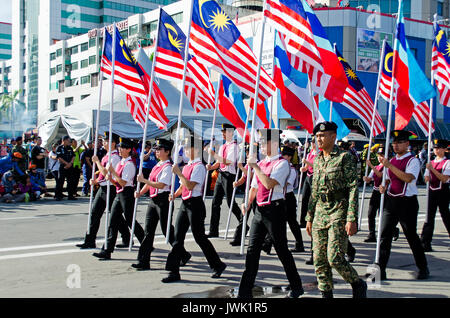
38	258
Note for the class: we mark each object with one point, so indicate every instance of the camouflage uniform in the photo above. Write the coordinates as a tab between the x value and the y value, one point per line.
334	201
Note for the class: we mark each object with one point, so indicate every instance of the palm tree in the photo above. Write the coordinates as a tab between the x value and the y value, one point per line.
7	102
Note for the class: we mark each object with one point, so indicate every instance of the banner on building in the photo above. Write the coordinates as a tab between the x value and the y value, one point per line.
368	48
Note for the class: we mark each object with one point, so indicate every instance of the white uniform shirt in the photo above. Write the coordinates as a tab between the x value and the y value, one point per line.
232	155
445	169
291	179
280	173
165	176
198	175
115	159
53	164
412	168
128	172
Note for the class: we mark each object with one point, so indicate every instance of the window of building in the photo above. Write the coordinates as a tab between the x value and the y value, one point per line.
85	79
61	86
59	68
58	52
75	49
94	80
92	59
84	47
440	8
24	66
85	96
84	63
53	105
134	29
68	101
52	56
52	71
92	42
178	18
74	66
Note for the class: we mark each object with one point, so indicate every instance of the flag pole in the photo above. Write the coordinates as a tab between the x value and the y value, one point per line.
300	187
97	123
331	102
388	136
273	71
144	137
111	107
252	135
236	178
375	105
180	108
430	119
216	103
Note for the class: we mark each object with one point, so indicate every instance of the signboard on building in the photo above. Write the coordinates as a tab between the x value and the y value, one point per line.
122	25
368	49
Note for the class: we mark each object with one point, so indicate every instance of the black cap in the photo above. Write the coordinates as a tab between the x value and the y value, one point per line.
64	138
380	150
115	137
285	150
325	126
400	135
227	126
163	144
269	134
440	143
126	143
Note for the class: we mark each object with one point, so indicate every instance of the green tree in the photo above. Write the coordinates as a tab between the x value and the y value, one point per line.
7	102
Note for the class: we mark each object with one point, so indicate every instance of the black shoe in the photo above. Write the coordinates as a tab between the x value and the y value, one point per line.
86	245
173	277
295	293
126	245
370	239
396	234
351	255
210	235
359	289
72	198
327	294
299	248
103	255
185	259
58	199
423	273
141	266
310	261
217	272
235	243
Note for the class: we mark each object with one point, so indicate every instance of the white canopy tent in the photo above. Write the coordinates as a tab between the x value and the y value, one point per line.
78	120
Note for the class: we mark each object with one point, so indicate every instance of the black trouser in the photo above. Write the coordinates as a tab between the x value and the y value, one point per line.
73	181
146	172
405	211
192	213
374	206
98	208
291	214
64	175
306	194
268	219
438	198
224	187
157	212
123	204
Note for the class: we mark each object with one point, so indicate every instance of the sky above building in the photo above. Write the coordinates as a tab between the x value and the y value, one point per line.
5	12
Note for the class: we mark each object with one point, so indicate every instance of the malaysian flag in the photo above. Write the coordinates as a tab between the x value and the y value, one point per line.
170	64
440	65
217	43
357	99
420	112
307	40
158	103
128	76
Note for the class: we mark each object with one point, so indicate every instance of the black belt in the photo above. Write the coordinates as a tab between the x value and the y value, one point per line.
333	196
227	174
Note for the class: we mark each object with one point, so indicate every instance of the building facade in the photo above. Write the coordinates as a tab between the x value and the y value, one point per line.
38	24
5	41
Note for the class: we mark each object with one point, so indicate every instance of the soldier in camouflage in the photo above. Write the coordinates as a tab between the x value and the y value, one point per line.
333	212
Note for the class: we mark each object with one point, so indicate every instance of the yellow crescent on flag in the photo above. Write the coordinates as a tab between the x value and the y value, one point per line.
122	43
173	40
386	62
200	4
